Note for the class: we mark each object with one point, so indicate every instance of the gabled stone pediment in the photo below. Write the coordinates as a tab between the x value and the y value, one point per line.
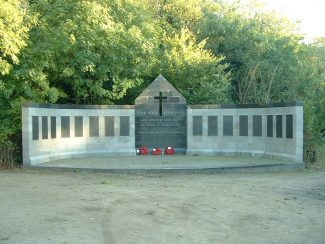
160	84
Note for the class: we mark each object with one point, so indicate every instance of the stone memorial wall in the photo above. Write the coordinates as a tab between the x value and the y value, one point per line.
161	118
269	130
52	132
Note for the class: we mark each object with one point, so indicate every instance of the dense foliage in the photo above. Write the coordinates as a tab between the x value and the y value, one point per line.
107	51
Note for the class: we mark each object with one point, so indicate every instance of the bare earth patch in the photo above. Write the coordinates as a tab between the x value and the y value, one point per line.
56	207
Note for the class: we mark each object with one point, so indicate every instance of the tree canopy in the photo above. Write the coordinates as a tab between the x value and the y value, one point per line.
107	51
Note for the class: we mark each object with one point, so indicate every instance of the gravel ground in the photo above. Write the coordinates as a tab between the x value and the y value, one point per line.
67	207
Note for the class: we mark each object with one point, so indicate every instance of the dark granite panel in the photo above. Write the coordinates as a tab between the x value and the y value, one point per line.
162	121
65	126
257	125
109	125
45	127
197	126
289	126
35	128
243	125
278	126
124	126
53	127
228	125
270	126
153	130
212	125
78	126
93	126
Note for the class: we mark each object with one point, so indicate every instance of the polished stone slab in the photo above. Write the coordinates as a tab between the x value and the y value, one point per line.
152	130
35	127
212	125
269	125
243	125
65	126
109	125
228	125
45	127
93	126
257	125
279	126
289	126
197	126
124	126
161	117
78	126
53	127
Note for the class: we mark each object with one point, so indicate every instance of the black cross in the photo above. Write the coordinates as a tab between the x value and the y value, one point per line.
160	102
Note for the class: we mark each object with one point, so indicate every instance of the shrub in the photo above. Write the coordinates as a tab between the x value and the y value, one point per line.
7	154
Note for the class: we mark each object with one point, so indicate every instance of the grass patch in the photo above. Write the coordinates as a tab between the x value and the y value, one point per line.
320	149
319	162
8	153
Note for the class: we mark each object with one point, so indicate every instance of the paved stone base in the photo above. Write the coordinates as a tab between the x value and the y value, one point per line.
170	164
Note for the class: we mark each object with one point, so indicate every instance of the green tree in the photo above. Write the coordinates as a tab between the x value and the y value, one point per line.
261	48
15	23
311	89
79	53
14	26
196	72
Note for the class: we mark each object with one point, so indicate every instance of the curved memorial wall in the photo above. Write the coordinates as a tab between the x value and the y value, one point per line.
52	132
269	130
161	118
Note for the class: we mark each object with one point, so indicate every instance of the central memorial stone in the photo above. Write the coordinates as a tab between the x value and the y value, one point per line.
161	117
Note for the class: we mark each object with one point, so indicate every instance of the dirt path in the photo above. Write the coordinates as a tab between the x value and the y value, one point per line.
44	207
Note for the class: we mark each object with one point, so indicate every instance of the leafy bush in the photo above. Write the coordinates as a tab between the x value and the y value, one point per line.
8	152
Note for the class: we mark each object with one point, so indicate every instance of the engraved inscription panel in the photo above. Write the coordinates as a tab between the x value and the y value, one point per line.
278	126
270	126
35	129
109	125
124	126
243	125
289	126
228	125
78	127
45	127
153	130
212	125
53	127
65	126
257	125
93	126
197	126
